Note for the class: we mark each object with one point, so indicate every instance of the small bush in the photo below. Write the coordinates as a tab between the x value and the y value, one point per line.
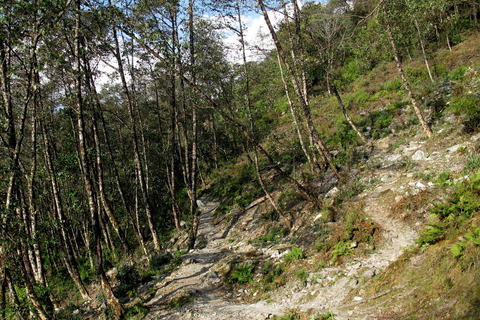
459	74
341	248
394	85
128	280
295	254
473	162
241	274
271	272
137	309
467	106
431	235
302	274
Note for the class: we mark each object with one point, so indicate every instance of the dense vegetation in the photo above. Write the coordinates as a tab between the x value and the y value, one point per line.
97	173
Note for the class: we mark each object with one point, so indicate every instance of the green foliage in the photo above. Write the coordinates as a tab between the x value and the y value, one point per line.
432	234
459	74
137	309
271	272
291	315
359	98
128	279
302	274
350	71
241	273
450	216
326	316
182	300
469	237
295	254
272	236
341	248
443	179
295	314
349	192
467	106
380	121
473	162
394	85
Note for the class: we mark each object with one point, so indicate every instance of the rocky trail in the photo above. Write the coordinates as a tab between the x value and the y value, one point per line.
329	289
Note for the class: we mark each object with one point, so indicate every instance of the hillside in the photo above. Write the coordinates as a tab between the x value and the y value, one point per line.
145	174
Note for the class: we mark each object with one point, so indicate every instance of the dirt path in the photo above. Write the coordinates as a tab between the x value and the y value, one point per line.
210	301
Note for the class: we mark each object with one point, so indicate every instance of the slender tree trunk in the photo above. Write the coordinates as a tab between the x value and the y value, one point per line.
314	164
138	162
418	112
119	185
29	289
69	258
424	52
299	90
13	295
89	189
286	220
174	121
344	110
193	177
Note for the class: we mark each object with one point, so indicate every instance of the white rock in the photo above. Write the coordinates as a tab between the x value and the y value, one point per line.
357	299
317	217
419	155
454	148
332	192
393	157
420	185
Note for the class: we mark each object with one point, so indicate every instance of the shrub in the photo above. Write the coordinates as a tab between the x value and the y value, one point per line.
467	106
394	85
137	309
302	274
295	254
341	248
128	279
241	274
459	74
271	272
432	234
472	237
473	162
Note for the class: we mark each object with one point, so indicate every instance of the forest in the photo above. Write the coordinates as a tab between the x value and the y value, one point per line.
100	168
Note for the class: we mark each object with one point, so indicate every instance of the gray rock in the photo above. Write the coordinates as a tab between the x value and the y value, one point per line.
332	192
368	274
419	155
454	148
211	277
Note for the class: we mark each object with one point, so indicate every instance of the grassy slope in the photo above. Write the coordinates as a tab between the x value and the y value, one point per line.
426	282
